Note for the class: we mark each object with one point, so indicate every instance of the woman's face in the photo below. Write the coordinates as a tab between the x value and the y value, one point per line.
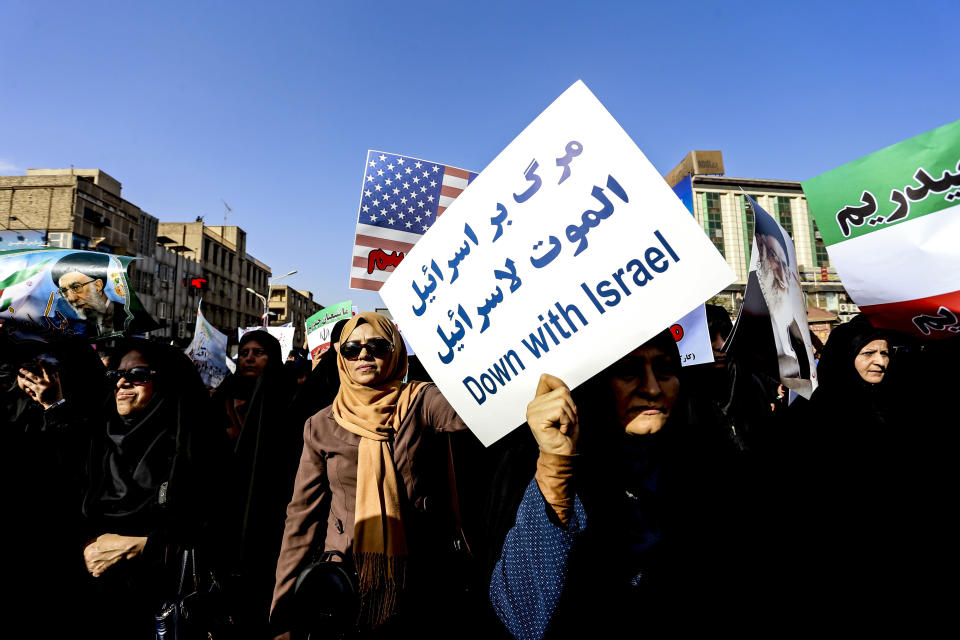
252	359
366	369
645	387
871	363
132	397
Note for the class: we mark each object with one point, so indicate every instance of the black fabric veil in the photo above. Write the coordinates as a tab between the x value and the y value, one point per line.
146	466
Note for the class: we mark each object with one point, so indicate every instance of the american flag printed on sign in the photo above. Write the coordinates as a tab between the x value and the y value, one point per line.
399	202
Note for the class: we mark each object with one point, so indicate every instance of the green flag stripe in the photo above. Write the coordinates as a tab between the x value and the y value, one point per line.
22	275
903	182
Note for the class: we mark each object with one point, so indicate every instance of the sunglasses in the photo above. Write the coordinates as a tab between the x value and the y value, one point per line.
137	375
76	287
377	347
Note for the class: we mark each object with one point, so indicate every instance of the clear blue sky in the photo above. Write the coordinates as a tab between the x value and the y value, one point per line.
272	107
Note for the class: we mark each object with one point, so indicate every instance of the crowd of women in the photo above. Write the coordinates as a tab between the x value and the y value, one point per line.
352	501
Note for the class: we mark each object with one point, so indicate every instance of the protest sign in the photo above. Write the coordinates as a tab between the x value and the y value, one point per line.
69	291
320	324
566	253
691	331
208	351
284	336
400	199
693	338
772	323
890	222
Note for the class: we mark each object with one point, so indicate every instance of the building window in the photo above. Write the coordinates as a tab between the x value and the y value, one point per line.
750	215
820	249
714	220
60	239
783	213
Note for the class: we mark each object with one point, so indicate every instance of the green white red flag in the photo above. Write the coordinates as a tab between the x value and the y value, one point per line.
891	224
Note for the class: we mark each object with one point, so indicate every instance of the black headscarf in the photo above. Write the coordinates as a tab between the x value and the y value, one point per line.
843	395
658	506
265	460
141	453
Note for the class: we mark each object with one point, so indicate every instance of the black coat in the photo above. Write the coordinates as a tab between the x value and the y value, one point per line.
151	474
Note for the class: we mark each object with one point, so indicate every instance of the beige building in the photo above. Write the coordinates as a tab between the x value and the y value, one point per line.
165	283
78	208
227	269
292	305
726	217
84	209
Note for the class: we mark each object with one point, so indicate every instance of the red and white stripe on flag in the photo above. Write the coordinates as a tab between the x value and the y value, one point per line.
401	198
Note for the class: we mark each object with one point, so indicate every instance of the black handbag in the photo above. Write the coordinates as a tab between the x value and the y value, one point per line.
327	595
199	611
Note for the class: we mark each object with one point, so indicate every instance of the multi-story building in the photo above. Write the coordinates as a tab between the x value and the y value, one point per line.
292	305
77	208
725	214
168	286
225	267
84	209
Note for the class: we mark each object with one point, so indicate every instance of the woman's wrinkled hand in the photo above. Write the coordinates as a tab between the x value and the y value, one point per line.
43	388
552	417
109	549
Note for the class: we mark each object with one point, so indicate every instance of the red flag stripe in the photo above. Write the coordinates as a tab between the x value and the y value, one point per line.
900	315
452	192
382	243
369	285
458	173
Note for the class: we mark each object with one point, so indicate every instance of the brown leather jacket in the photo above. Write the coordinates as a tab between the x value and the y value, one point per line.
325	489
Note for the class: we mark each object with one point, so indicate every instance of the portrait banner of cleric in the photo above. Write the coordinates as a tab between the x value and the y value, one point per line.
772	324
95	289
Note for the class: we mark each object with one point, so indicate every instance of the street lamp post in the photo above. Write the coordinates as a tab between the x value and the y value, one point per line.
266	308
263	298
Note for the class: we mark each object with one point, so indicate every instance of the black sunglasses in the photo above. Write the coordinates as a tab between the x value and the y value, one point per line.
137	375
377	347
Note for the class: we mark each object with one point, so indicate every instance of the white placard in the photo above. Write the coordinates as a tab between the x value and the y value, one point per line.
566	253
693	338
284	336
208	351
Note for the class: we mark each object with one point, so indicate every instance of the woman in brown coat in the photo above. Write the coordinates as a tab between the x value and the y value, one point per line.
373	484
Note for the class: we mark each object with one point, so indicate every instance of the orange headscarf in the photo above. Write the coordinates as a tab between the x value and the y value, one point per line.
375	412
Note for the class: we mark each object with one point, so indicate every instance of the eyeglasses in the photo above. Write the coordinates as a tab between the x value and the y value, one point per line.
76	287
136	376
256	353
377	347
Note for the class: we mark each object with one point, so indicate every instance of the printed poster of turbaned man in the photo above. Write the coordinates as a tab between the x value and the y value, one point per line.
69	292
772	328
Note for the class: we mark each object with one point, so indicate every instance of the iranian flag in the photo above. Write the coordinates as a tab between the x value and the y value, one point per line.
18	278
891	224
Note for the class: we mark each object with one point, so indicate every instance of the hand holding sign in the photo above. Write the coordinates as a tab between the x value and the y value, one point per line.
595	244
552	417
